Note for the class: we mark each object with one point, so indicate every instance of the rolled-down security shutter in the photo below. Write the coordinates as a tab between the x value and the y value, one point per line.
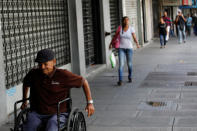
131	12
28	26
89	37
115	17
115	14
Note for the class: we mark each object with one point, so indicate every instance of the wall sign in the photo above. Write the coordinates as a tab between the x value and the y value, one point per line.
186	2
172	2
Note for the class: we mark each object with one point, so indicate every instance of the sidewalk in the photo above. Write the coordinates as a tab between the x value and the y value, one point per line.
157	100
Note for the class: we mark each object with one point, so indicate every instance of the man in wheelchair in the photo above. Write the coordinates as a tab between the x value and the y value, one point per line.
49	85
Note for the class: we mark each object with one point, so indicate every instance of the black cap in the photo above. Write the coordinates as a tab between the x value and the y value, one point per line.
44	56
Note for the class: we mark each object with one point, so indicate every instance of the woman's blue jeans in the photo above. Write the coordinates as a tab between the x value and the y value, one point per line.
162	39
182	35
121	55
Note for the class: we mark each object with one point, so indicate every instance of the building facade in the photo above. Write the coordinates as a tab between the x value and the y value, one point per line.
140	13
78	31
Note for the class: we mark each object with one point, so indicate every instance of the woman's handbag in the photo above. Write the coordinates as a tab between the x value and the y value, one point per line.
116	38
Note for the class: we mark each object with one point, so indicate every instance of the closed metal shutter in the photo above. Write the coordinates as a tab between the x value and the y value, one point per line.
29	26
115	14
89	39
131	12
115	17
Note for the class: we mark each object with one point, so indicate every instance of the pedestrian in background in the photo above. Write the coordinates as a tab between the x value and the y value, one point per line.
195	24
180	20
162	33
126	48
189	24
172	29
168	24
176	27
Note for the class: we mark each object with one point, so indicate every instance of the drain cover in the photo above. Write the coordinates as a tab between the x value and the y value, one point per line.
157	105
192	73
190	83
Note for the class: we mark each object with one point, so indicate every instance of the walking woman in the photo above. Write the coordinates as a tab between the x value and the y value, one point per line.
126	48
162	32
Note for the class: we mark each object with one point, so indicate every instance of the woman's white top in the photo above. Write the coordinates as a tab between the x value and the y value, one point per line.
126	38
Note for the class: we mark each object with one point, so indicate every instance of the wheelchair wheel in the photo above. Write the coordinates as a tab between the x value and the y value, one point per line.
21	119
80	122
76	121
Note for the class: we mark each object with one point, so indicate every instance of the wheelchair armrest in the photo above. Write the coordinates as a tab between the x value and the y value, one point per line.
62	101
58	110
19	101
15	107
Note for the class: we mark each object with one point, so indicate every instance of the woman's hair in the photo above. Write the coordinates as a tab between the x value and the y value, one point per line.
123	24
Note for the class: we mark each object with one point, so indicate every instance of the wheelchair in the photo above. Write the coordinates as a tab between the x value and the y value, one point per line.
75	122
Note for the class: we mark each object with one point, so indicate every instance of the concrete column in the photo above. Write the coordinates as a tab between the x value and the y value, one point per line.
149	22
3	107
76	37
140	22
101	30
107	28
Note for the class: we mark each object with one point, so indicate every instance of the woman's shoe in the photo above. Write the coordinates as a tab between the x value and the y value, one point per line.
130	80
119	83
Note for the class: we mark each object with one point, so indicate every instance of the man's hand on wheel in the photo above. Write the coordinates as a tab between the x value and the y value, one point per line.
90	109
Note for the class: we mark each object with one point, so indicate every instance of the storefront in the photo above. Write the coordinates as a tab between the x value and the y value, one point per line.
189	8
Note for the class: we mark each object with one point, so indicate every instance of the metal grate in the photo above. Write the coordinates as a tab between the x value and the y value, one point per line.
190	83
156	104
28	26
89	39
192	73
115	16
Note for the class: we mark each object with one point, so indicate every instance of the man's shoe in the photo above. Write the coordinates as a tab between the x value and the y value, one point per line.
119	83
